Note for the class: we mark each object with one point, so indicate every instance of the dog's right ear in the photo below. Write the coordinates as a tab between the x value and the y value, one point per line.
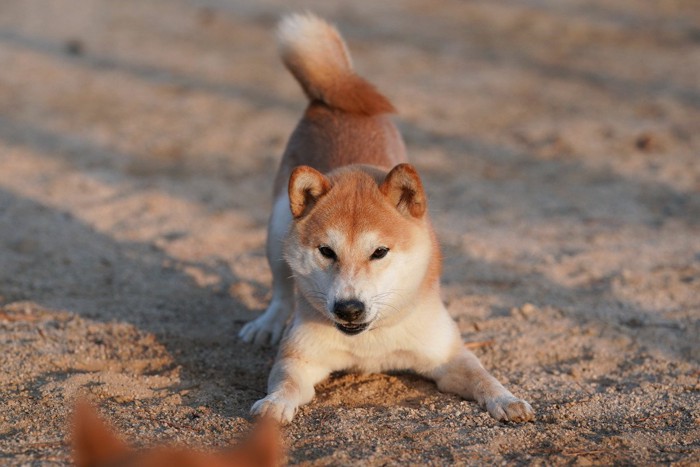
306	186
94	443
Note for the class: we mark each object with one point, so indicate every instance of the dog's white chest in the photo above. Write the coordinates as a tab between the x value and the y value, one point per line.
374	351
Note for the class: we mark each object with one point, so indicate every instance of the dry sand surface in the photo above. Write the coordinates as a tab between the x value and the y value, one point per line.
559	142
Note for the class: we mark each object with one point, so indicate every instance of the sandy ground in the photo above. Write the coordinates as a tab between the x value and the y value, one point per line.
560	145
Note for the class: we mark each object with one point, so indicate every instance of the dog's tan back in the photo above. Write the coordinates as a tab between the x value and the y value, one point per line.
347	119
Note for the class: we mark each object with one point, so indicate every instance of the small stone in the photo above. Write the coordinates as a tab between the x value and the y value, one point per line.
75	47
647	142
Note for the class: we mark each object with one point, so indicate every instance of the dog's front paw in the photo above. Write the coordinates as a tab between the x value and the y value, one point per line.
508	408
275	407
266	328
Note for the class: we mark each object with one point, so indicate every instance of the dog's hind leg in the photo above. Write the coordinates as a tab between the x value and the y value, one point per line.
268	327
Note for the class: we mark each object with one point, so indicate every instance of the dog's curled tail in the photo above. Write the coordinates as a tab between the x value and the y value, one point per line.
314	52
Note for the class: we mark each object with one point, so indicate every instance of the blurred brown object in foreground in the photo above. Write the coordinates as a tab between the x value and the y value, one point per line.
96	445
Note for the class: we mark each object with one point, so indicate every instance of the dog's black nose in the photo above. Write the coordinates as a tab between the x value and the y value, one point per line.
349	310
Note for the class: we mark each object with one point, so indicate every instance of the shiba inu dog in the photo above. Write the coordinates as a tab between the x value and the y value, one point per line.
96	445
353	254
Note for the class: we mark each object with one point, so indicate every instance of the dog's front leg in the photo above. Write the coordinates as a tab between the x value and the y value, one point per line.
464	375
291	384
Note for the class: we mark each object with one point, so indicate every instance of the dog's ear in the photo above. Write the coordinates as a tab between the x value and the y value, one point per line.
306	186
403	188
94	443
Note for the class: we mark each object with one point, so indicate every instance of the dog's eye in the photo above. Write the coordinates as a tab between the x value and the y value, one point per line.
379	253
327	252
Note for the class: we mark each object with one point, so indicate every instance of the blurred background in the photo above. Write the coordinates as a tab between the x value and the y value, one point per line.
559	143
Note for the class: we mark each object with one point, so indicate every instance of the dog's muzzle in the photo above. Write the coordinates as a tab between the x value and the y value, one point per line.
350	311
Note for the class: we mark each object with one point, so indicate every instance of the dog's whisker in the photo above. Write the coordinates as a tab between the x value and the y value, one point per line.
387	305
388	293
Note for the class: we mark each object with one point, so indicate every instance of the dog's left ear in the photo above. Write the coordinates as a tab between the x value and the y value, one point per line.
403	188
306	186
263	448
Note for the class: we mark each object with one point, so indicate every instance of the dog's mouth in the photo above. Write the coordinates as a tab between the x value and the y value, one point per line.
351	329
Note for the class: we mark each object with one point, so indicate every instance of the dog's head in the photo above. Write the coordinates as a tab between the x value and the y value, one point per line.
96	445
360	246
